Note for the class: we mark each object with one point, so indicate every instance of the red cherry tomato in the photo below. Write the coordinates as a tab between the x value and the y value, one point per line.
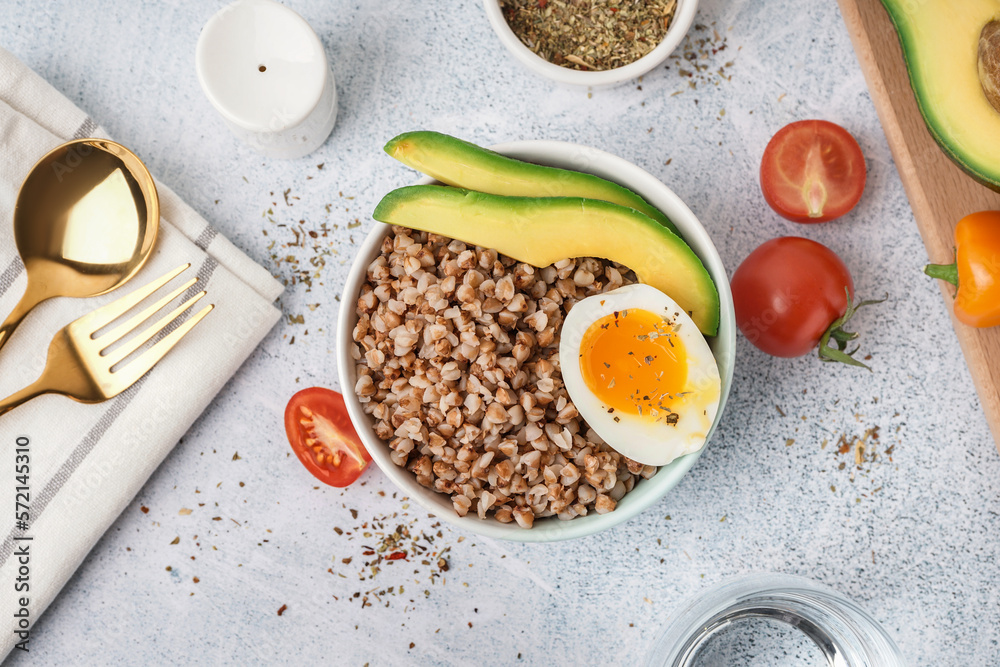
322	436
788	292
812	171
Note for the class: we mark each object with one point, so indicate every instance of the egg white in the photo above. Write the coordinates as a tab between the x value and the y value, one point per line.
643	439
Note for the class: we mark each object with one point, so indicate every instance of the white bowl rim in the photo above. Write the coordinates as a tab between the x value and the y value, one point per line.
683	18
550	529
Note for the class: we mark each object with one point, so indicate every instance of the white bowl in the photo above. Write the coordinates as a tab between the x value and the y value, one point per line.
646	492
683	18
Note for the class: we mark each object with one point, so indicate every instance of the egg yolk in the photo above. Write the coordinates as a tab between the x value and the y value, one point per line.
634	363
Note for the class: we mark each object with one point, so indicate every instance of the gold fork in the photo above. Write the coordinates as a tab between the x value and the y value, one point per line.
79	364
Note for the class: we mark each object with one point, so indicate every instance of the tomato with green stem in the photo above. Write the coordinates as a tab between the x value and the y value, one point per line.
791	295
812	171
322	436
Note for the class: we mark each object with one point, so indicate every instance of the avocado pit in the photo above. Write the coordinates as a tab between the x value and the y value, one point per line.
989	62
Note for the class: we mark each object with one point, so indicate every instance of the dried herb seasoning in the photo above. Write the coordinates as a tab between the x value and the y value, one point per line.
590	35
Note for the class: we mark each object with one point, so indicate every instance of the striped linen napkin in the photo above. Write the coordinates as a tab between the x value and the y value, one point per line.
86	462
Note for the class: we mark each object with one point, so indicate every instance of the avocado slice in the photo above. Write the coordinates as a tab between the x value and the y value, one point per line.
939	40
543	230
466	165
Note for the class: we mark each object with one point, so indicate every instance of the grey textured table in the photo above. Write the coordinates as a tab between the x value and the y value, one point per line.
913	535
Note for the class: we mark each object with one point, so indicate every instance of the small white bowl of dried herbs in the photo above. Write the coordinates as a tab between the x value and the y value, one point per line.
594	43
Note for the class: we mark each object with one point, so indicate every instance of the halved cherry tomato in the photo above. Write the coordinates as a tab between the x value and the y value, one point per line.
792	294
812	171
322	436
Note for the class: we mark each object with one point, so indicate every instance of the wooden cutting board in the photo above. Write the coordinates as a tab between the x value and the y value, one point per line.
940	193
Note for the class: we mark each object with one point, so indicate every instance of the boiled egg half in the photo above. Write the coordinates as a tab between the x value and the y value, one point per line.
640	373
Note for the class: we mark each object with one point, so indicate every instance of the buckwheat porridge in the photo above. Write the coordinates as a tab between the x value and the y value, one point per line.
457	353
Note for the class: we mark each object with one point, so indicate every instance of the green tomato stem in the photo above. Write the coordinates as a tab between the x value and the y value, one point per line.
842	336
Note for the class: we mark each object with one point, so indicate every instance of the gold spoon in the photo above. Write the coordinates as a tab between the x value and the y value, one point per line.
85	222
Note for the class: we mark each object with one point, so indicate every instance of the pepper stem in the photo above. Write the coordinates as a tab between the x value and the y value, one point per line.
948	272
841	337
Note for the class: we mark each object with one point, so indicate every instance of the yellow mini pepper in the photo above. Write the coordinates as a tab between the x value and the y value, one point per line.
976	271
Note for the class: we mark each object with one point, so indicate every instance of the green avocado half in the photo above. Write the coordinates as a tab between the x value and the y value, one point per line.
940	41
465	165
543	230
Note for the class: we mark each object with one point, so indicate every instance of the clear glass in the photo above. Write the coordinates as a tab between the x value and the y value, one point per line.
763	616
